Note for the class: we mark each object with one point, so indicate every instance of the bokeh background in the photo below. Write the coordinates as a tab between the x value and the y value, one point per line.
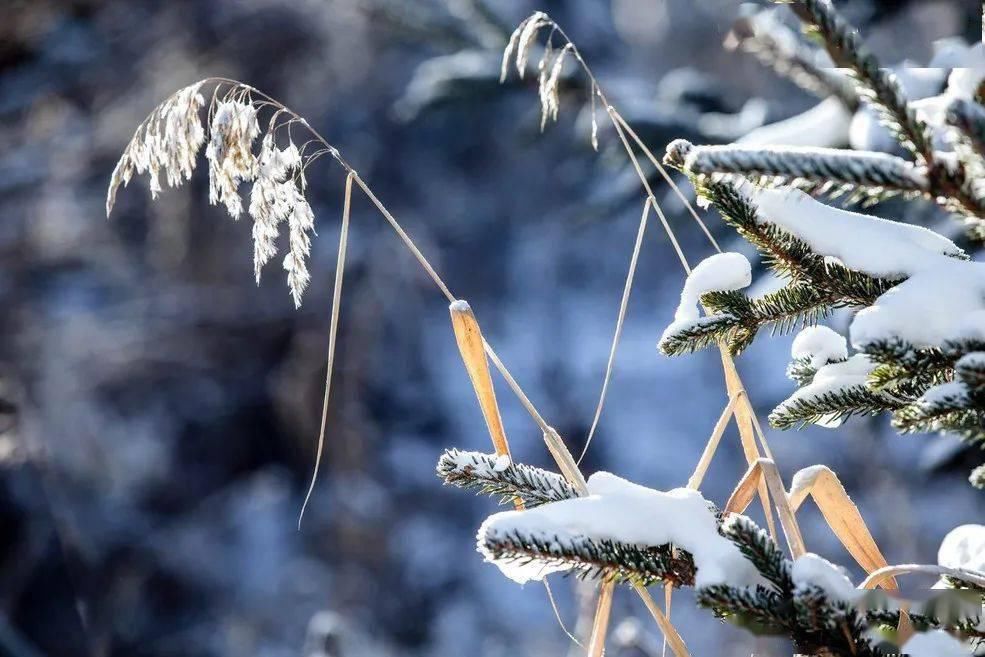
162	409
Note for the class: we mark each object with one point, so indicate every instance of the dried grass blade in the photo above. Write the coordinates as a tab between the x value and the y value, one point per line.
468	335
620	319
842	516
332	335
711	446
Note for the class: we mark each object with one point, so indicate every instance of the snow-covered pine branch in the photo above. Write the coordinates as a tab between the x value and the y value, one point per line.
876	85
859	175
951	180
490	474
921	301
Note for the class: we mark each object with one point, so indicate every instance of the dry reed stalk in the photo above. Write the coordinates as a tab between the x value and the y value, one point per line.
603	611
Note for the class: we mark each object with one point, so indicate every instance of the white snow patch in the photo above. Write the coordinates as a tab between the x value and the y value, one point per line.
936	304
879	247
965	79
936	643
820	344
618	509
963	547
824	125
942	298
813	570
502	462
973	360
805	477
942	392
832	378
722	271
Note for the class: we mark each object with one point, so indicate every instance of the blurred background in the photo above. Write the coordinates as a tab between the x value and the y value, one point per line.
160	410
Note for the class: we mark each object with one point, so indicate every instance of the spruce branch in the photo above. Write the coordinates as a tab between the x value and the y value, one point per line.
801	370
832	405
758	547
604	560
818	170
878	86
482	473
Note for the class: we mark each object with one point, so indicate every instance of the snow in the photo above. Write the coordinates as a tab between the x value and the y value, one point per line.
946	302
820	344
722	271
618	509
964	547
832	378
973	360
502	462
965	80
942	392
805	477
851	237
936	643
826	125
813	570
943	296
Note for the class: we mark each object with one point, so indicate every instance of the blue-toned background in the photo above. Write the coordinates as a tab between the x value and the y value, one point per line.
167	407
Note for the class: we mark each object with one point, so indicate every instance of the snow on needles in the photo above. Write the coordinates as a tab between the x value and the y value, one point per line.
720	272
830	379
617	509
942	297
820	345
813	570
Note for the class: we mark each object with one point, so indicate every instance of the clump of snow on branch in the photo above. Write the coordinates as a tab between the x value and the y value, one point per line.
619	510
825	125
820	345
963	547
720	272
878	247
812	570
831	379
943	295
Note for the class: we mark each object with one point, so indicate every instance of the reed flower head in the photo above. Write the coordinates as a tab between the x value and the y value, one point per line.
230	152
169	141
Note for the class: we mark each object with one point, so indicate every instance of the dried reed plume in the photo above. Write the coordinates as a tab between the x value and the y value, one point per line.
169	141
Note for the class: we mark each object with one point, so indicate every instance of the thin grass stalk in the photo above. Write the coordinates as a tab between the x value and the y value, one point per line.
332	336
623	304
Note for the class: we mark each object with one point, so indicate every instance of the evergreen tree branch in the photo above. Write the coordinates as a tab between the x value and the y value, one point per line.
603	560
478	471
833	405
877	85
869	174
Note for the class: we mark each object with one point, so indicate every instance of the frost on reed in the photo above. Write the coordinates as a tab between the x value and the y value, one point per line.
169	141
